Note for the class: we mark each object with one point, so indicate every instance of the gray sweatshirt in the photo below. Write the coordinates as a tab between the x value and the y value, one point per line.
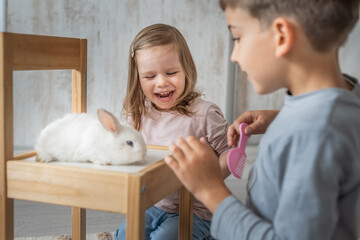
305	183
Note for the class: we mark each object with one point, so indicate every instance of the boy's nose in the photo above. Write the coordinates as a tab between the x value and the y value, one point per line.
233	56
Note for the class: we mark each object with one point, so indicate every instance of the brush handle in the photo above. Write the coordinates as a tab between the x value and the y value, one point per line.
243	137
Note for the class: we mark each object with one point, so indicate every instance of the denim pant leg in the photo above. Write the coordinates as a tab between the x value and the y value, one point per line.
159	224
162	225
167	224
201	229
120	233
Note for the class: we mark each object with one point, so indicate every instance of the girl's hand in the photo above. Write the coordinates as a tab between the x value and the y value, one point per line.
197	166
257	121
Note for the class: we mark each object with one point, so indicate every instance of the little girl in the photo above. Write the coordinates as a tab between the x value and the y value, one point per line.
161	103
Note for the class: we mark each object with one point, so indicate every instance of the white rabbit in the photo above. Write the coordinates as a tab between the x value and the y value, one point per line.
83	138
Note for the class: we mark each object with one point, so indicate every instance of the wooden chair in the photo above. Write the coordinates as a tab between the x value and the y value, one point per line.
78	187
30	52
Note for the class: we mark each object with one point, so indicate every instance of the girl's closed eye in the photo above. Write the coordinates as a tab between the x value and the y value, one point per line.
171	73
149	77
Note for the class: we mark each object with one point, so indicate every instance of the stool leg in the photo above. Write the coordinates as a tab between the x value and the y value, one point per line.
185	214
135	215
7	218
6	135
78	223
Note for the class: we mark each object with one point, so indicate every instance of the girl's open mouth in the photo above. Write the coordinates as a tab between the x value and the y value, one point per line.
164	95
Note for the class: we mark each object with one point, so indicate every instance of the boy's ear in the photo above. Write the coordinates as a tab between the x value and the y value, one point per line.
284	36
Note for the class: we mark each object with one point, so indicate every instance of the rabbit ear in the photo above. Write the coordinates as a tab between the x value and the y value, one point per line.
109	121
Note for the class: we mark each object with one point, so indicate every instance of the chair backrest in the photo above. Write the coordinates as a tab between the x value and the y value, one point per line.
36	52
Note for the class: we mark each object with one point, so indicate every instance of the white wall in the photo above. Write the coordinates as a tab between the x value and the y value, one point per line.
350	54
109	27
3	15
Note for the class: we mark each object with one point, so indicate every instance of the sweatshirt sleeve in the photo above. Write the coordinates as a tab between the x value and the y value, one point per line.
231	217
295	194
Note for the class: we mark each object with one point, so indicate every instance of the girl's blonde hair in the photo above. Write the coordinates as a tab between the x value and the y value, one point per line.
158	35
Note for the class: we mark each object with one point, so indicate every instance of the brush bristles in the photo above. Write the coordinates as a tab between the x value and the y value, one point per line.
240	165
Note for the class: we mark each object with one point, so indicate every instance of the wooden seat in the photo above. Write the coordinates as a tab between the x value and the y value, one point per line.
78	187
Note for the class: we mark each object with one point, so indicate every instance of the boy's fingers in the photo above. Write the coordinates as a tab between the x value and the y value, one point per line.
203	141
232	135
198	145
246	117
193	144
236	125
177	153
184	146
249	130
173	164
255	127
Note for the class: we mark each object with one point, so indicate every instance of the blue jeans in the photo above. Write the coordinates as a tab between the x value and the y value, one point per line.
160	225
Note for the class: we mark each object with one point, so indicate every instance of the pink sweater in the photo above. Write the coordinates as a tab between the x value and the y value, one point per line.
163	128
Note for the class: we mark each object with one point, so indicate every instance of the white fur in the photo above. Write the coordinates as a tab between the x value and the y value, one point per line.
82	138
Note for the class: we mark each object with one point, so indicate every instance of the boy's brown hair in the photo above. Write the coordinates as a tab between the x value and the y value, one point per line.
158	35
326	23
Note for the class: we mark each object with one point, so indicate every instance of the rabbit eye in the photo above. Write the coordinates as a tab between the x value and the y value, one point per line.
130	143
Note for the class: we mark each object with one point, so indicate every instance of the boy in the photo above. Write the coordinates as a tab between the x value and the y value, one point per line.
305	183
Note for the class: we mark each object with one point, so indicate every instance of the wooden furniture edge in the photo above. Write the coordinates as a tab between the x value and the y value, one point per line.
157	147
39	58
24	155
6	136
33	52
67	185
185	214
160	174
145	190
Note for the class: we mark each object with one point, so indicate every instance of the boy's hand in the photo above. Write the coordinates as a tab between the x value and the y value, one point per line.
257	121
197	166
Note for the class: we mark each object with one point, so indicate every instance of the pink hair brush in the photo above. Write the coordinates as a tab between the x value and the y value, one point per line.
236	158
